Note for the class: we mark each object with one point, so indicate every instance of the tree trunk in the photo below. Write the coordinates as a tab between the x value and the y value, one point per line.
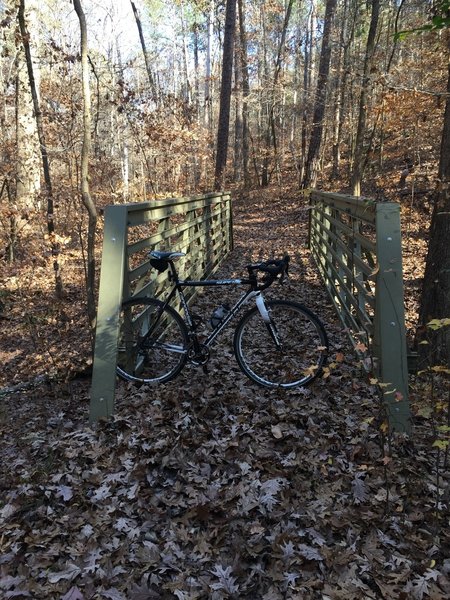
225	94
348	22
270	128
245	94
12	228
144	52
238	120
196	73
310	175
265	103
208	73
45	162
296	86
435	303
28	163
186	86
358	162
85	150
306	89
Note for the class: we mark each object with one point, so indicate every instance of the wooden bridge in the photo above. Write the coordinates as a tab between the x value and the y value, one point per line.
356	244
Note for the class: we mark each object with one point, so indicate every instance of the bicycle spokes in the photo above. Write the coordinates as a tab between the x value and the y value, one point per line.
153	342
285	352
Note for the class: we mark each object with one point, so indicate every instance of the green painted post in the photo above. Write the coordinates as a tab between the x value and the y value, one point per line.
110	300
389	324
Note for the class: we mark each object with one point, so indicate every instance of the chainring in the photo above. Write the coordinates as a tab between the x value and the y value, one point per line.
200	356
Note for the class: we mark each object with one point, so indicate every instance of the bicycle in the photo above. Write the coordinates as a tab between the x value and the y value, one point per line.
277	343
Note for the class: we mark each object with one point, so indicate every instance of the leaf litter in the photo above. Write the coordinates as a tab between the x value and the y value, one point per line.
211	487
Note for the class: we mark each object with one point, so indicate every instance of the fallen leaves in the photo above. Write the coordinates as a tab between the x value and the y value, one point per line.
211	488
276	432
152	505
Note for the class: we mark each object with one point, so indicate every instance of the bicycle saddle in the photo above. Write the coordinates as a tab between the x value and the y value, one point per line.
165	255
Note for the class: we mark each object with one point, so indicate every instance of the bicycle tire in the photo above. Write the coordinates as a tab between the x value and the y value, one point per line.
304	341
147	355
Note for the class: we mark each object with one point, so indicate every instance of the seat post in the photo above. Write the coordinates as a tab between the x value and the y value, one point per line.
173	273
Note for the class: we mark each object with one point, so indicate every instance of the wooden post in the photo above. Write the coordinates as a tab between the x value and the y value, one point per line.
389	325
110	299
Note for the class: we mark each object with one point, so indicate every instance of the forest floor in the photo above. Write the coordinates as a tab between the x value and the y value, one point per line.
210	487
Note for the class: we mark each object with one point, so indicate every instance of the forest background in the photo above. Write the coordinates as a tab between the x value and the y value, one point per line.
340	95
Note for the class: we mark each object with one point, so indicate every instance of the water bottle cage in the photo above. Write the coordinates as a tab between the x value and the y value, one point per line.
219	314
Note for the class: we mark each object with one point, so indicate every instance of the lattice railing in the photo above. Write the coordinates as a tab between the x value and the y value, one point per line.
356	244
200	226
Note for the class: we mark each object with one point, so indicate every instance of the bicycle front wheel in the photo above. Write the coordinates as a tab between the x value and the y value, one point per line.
289	351
153	342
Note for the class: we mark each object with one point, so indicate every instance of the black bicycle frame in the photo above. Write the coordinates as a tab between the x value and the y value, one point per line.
253	292
178	289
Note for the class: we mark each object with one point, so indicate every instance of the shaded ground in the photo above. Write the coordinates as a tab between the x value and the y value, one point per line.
211	487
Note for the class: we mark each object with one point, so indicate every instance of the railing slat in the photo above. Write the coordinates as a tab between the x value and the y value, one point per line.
364	241
366	269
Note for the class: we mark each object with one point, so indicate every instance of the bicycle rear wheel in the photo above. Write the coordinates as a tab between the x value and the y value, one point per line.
303	345
153	342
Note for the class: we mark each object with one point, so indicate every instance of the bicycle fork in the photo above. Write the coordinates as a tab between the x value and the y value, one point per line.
265	315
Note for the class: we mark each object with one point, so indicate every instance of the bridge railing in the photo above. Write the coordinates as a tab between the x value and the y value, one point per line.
200	226
356	244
